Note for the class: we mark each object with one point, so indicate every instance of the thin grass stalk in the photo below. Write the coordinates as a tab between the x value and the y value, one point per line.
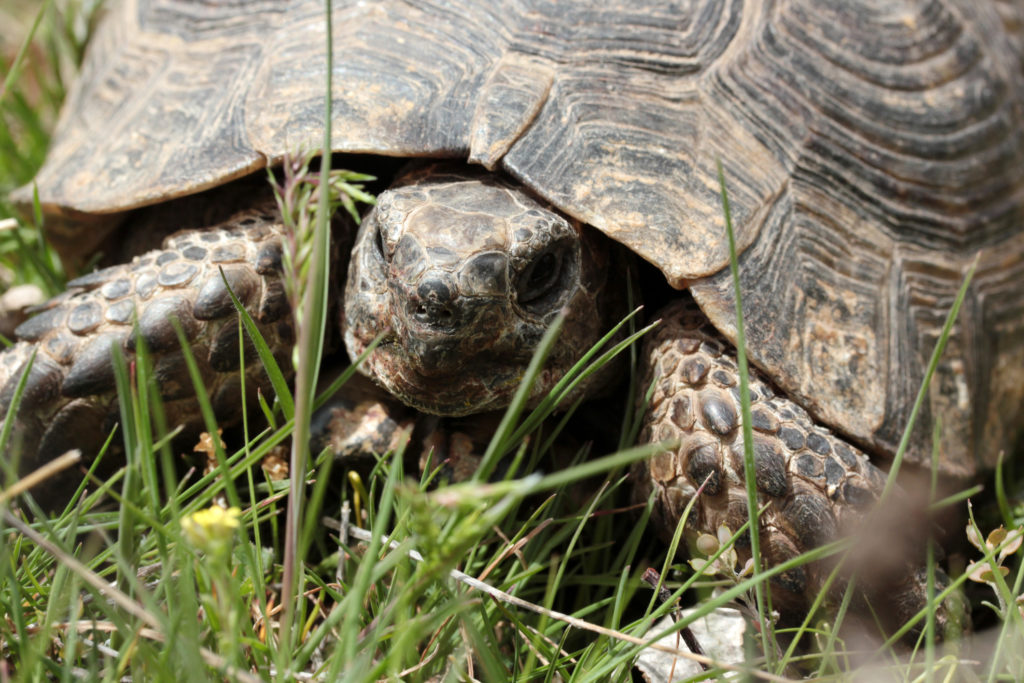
956	498
805	625
258	563
1000	488
579	472
312	323
90	476
145	391
558	574
326	462
347	373
727	596
747	426
903	630
551	439
929	624
34	260
844	606
148	407
620	598
162	448
580	370
209	418
629	414
498	445
346	614
277	378
223	477
15	68
12	410
71	639
14	628
933	363
673	547
1011	626
128	404
577	374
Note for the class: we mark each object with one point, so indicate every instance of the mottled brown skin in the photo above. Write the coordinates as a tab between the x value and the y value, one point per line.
69	400
815	487
462	273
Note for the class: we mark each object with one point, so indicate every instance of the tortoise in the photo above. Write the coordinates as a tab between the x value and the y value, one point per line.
872	152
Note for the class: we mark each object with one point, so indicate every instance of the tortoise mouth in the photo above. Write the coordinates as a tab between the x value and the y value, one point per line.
459	386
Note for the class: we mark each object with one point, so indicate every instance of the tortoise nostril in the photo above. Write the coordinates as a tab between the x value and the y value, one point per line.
434	303
431	314
425	311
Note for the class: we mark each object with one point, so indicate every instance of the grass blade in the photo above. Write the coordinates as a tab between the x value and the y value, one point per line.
749	467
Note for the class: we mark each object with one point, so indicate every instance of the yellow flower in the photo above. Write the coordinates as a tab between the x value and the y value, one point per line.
212	528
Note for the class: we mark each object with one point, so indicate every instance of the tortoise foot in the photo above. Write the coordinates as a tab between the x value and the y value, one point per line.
812	486
69	399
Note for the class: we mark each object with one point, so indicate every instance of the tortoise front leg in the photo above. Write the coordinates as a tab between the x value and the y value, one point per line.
70	400
815	487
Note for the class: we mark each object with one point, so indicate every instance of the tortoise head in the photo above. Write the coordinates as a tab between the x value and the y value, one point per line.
463	273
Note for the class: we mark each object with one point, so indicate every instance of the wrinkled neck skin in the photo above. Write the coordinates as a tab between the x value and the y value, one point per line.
463	272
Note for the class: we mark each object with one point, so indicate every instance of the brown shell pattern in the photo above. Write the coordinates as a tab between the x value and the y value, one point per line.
871	150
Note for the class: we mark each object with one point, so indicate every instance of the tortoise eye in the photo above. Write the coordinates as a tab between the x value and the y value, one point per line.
378	243
543	280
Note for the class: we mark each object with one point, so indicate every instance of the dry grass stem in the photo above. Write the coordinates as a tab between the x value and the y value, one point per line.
508	598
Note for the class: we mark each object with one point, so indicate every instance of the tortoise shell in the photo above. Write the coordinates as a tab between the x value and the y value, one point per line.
872	151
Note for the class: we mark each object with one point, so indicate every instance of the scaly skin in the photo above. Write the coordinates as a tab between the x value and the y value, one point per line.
463	272
817	487
69	401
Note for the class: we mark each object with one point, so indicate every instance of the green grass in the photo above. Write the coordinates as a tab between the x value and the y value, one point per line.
392	574
376	609
37	63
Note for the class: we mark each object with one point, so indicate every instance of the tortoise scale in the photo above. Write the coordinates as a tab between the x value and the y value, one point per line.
873	151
